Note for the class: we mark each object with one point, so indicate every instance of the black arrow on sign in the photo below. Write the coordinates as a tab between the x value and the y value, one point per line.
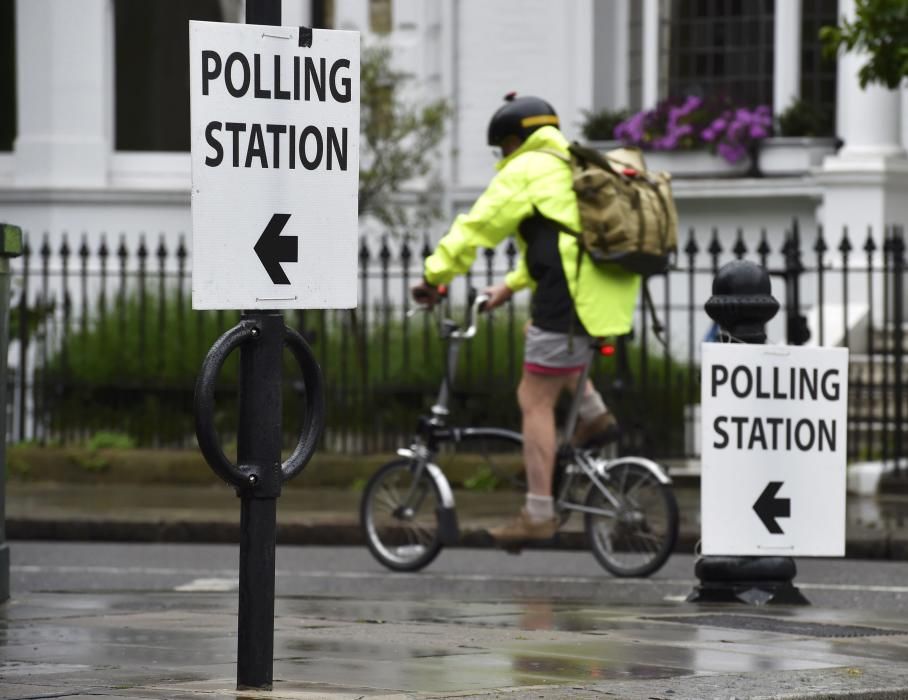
273	249
768	507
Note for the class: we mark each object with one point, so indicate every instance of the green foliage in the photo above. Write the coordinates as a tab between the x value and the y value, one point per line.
35	317
399	145
129	381
600	126
17	466
483	480
879	29
92	462
805	119
146	340
106	439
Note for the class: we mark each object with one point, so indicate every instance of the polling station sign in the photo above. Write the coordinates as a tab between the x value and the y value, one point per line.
275	166
773	450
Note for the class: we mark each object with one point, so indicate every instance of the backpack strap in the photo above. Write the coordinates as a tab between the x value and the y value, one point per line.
558	154
658	328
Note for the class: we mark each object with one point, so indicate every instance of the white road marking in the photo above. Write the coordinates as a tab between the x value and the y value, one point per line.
209	585
477	578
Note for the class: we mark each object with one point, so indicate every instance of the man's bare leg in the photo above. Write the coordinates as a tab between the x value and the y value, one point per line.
595	423
537	396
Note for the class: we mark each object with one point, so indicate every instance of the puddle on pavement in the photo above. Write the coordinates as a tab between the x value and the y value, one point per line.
422	646
532	644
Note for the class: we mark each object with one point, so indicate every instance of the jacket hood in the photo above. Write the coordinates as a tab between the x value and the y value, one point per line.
544	137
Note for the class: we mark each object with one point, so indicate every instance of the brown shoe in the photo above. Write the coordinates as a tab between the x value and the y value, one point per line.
523	529
598	432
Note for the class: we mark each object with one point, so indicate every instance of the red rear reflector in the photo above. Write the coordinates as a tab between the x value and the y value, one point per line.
443	289
629	172
607	350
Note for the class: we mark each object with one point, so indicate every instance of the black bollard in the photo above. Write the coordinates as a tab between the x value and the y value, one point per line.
742	304
10	247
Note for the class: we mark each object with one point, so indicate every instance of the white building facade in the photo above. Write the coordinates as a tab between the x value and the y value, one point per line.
71	165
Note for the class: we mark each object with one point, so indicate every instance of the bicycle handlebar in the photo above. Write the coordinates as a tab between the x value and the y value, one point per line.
455	331
470	321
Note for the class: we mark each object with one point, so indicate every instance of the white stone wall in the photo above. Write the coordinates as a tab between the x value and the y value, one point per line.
65	176
534	47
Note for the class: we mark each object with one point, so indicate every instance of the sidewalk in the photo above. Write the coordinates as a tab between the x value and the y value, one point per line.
876	529
182	646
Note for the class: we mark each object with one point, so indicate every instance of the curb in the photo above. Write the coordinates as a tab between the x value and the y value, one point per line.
880	546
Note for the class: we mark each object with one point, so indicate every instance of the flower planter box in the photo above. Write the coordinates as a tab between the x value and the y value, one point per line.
792	155
779	156
695	163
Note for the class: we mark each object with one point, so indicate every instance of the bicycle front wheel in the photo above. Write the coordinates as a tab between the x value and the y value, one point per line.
398	516
636	537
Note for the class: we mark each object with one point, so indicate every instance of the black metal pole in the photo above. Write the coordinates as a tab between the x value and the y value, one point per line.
10	246
797	332
263	12
259	451
898	339
259	446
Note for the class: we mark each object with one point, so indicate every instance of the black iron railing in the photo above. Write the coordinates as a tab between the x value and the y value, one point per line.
105	344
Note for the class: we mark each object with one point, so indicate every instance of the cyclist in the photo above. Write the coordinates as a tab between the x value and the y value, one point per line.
573	299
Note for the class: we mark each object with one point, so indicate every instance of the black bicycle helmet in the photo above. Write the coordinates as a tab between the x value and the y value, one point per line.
520	116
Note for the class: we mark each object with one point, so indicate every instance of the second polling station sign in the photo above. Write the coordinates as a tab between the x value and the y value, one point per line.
773	442
275	166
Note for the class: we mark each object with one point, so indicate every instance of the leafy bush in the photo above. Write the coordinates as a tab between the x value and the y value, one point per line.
804	119
106	439
600	126
129	377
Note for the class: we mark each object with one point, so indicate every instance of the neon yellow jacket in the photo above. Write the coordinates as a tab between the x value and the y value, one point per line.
604	296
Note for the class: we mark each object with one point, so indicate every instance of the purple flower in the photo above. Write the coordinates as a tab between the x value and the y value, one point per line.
692	121
732	152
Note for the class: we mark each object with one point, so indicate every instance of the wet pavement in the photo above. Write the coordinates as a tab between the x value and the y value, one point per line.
183	645
443	636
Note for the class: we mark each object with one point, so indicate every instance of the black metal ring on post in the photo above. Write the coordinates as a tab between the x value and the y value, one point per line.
205	431
206	434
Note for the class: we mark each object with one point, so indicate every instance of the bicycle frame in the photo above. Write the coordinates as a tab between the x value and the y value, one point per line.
593	467
433	430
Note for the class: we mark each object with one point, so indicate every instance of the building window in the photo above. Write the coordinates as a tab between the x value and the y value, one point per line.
818	72
152	70
723	48
7	74
323	14
635	56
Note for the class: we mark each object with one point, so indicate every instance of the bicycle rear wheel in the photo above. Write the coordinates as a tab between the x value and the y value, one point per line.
636	538
398	515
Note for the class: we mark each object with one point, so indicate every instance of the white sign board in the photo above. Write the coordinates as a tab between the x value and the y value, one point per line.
275	166
773	448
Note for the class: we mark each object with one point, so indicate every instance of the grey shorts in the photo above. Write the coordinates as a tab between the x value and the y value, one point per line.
547	352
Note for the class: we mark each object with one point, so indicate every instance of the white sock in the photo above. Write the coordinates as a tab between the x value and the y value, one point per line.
591	405
540	508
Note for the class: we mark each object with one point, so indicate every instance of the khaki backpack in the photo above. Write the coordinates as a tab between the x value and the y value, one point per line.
627	214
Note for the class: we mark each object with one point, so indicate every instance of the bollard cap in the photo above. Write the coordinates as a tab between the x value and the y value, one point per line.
742	300
10	241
